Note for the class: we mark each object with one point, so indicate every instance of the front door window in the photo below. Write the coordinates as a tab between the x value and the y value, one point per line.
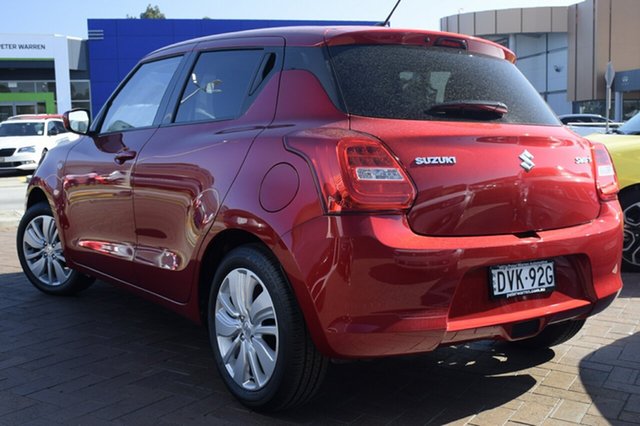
136	105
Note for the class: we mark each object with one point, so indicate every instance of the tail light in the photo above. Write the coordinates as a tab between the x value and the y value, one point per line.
356	174
606	180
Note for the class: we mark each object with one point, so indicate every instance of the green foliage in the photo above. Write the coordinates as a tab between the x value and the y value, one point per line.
152	12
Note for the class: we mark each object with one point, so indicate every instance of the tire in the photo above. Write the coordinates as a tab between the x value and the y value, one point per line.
552	335
630	203
265	356
41	256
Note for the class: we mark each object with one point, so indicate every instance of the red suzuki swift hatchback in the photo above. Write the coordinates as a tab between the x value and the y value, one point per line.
317	193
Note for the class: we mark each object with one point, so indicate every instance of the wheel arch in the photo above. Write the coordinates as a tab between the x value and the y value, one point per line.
217	248
36	195
65	281
229	239
628	189
628	196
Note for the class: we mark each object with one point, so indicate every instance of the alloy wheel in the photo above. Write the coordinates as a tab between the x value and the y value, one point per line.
246	329
43	251
631	249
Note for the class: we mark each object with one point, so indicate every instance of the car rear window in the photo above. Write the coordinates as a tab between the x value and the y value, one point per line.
406	82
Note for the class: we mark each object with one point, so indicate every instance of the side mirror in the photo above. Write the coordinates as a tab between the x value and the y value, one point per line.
53	132
77	121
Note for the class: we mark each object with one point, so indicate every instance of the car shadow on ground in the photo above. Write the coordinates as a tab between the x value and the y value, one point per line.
114	349
14	173
631	285
444	386
611	374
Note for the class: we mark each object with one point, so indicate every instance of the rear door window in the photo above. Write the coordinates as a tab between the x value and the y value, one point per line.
220	83
409	82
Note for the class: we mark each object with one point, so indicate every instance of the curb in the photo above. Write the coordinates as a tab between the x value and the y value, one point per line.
14	180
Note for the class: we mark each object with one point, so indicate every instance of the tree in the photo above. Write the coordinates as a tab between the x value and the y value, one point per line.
152	12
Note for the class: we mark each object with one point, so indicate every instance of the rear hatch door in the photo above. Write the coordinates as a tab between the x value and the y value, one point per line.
487	179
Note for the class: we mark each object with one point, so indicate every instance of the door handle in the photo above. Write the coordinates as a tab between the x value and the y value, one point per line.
123	156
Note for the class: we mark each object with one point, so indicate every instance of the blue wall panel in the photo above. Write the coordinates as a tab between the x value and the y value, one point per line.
183	27
116	45
124	67
101	71
139	45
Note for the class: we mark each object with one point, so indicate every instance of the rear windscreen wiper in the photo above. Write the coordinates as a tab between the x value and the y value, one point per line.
479	110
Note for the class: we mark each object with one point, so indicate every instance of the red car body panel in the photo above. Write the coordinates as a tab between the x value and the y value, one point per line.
489	193
93	183
383	290
368	284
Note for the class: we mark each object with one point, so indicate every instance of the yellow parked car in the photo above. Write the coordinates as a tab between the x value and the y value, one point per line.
624	147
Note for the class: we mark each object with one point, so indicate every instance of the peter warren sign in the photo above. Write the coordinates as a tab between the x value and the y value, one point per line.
33	47
20	46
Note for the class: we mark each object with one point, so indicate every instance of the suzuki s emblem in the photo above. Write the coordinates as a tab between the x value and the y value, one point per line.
527	160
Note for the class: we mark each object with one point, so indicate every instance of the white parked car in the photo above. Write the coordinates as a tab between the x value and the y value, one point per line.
587	124
25	140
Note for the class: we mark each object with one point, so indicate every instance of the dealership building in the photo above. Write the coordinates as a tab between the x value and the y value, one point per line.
42	74
563	51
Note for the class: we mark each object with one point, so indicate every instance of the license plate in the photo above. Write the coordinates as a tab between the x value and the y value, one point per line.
522	278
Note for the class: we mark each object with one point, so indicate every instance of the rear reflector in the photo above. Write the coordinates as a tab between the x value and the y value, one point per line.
380	173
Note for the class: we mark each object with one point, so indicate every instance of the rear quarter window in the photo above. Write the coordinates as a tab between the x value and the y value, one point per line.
404	82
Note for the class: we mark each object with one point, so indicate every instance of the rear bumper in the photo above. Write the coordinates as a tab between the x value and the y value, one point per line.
369	286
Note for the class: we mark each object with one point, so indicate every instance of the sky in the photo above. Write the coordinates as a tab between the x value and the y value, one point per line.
69	17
